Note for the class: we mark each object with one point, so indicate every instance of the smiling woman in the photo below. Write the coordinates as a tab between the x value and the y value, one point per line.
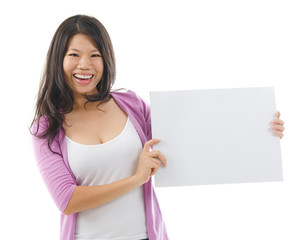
81	166
81	44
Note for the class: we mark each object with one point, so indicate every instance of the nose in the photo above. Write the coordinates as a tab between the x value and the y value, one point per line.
84	62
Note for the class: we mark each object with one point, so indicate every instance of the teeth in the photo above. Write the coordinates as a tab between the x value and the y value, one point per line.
83	76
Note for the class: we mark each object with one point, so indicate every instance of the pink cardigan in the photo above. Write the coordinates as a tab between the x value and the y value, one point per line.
61	182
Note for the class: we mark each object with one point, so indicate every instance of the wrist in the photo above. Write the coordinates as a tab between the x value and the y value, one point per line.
136	180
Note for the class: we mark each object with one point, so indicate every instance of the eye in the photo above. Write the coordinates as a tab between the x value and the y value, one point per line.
96	55
73	55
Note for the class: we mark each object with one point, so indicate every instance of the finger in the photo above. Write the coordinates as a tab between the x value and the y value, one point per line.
149	143
280	134
155	161
278	127
161	156
151	162
153	165
278	121
278	114
154	170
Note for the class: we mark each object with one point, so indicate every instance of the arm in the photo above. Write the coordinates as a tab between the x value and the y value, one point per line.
87	197
57	178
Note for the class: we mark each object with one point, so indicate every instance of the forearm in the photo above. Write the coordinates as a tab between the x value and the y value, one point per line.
87	197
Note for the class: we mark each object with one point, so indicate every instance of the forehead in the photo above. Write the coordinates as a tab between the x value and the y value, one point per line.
81	42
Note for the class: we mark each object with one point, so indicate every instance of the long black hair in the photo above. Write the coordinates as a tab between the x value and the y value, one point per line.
55	98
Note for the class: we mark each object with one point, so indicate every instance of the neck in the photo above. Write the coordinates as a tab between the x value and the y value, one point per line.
79	102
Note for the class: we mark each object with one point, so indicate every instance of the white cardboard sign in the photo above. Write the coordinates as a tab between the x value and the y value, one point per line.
216	136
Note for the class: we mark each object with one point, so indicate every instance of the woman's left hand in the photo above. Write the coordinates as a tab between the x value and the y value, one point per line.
278	126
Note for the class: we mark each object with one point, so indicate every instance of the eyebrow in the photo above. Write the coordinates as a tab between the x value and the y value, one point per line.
73	49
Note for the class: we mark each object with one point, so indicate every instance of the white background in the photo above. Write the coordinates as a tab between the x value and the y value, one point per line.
166	45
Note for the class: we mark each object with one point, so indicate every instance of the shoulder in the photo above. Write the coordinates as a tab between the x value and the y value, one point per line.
128	94
40	125
132	99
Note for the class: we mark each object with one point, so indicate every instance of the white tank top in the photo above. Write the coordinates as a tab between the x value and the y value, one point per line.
124	217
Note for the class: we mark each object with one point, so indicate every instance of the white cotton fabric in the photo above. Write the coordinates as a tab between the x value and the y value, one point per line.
124	217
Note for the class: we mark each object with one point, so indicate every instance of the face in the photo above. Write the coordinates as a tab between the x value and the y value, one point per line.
83	65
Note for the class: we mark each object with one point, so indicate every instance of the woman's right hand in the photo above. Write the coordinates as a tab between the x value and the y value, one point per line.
149	162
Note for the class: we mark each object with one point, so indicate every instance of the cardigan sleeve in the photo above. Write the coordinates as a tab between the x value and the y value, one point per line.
147	116
53	170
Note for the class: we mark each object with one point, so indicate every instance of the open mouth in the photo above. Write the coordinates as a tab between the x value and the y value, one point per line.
83	77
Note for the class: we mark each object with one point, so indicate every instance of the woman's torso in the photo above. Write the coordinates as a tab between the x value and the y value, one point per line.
104	164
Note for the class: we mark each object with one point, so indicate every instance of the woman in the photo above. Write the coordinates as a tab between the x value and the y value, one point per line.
92	145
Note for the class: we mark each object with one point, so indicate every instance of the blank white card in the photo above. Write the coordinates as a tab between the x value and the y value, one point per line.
216	136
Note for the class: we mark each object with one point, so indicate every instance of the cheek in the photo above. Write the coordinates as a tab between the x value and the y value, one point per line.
99	66
68	66
65	66
101	69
